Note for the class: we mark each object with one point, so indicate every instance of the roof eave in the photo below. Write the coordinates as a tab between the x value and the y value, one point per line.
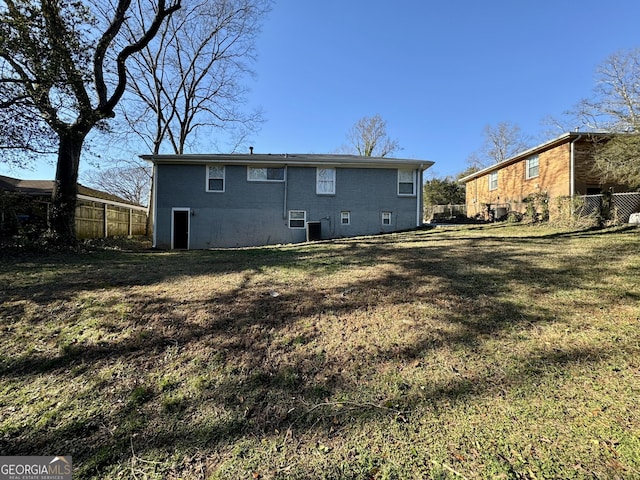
532	151
289	160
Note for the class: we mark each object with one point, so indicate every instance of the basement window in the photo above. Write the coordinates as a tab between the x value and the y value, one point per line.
297	218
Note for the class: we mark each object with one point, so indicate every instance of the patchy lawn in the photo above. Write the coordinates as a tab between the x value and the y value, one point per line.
466	352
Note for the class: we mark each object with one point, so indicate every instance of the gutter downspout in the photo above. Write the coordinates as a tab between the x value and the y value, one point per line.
419	197
284	201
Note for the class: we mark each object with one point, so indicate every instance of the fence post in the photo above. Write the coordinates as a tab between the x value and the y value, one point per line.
106	220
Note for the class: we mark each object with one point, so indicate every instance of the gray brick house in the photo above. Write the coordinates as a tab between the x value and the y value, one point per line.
234	200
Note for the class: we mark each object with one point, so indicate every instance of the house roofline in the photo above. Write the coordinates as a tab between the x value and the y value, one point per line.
564	138
289	159
45	188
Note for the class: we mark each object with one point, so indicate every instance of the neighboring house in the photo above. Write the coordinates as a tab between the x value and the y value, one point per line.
98	214
203	201
560	167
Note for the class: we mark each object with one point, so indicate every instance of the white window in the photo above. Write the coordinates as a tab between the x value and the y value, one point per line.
325	181
268	174
386	218
493	181
345	218
297	218
215	178
406	182
532	167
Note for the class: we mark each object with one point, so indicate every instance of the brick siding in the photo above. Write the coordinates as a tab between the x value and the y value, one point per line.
553	178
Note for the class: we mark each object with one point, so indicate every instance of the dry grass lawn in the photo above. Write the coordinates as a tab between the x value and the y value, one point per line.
507	352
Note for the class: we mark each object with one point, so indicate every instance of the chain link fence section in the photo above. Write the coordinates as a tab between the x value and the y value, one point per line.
620	208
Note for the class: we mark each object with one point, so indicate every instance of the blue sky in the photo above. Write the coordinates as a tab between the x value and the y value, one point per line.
436	71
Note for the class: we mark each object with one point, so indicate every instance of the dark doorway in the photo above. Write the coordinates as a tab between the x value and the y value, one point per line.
314	231
181	229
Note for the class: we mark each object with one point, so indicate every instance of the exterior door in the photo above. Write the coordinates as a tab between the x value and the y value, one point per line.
180	228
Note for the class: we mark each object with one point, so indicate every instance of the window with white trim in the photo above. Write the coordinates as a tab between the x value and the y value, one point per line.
265	174
406	182
345	218
386	218
493	181
297	219
215	178
325	181
532	167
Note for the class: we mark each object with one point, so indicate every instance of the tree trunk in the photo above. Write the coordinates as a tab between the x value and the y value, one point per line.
65	190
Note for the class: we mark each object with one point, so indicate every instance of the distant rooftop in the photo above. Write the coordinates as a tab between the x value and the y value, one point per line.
42	188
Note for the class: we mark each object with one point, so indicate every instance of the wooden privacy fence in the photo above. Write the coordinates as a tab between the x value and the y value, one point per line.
99	219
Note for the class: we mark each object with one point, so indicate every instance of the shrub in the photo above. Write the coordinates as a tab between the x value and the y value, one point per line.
572	212
537	209
514	217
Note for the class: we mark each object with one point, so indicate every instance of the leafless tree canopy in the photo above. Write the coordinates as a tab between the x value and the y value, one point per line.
614	105
128	181
188	81
501	142
369	138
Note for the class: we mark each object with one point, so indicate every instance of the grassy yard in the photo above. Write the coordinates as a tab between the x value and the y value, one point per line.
468	352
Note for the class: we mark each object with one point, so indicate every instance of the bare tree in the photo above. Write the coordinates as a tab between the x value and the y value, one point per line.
127	180
59	66
614	106
189	79
501	142
369	138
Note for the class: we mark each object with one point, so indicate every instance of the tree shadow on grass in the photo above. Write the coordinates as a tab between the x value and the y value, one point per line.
262	355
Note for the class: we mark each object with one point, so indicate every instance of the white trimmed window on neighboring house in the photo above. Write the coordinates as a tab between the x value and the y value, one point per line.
215	178
532	167
493	181
386	218
325	181
297	218
406	182
345	218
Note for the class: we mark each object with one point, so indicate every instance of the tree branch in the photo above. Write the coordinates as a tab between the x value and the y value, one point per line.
107	107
